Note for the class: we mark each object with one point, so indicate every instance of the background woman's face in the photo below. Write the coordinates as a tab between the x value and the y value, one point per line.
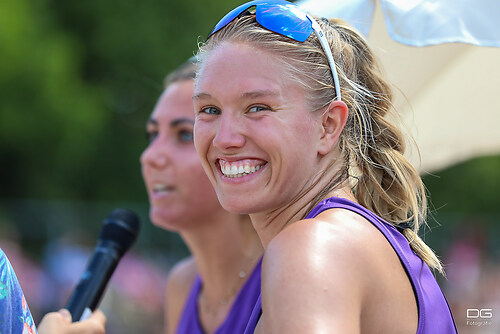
254	133
179	191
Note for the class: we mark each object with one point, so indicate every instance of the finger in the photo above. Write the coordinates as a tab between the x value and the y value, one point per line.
53	322
98	317
65	314
94	324
88	326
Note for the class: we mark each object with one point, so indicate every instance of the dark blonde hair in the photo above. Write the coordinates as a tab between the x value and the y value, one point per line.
187	71
372	147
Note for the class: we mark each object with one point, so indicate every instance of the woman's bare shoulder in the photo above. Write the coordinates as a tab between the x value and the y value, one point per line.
183	273
179	282
339	267
335	231
320	265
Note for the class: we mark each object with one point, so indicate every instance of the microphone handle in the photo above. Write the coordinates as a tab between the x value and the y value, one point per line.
90	289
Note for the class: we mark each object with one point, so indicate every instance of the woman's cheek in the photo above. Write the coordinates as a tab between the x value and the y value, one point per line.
201	136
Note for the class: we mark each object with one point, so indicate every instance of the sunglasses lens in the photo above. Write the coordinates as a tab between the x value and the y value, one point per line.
232	15
282	17
285	19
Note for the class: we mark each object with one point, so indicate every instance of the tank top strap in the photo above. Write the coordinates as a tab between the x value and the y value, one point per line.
254	316
430	300
397	240
243	305
189	322
239	314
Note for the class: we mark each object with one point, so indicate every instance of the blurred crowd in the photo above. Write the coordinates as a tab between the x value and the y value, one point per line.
473	279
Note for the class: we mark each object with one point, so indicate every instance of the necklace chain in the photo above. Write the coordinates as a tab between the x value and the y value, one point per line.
213	311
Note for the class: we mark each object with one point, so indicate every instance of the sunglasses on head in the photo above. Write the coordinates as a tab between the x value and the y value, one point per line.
284	18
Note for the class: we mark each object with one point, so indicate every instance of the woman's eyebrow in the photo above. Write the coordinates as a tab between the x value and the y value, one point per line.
251	94
260	93
201	96
179	121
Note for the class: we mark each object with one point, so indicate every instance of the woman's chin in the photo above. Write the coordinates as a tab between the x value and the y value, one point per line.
237	206
165	219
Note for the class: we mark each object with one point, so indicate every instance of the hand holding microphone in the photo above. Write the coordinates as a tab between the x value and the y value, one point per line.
119	231
60	323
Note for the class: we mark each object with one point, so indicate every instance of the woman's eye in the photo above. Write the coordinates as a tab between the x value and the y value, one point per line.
151	135
210	110
257	108
185	136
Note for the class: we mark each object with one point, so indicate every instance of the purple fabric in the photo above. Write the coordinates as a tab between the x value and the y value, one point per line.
237	318
434	313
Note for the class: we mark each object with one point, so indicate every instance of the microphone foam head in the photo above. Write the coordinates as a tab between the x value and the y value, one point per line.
121	227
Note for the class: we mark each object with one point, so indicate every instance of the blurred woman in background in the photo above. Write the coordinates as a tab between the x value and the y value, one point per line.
215	289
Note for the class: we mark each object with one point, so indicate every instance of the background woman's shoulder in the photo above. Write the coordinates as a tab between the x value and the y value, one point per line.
179	283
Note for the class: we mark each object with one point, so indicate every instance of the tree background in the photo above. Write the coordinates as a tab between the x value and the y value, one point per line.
78	80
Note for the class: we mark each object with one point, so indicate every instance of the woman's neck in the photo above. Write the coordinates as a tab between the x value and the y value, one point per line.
222	248
226	251
271	223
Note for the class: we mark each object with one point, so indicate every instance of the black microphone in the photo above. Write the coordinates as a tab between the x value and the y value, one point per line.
119	231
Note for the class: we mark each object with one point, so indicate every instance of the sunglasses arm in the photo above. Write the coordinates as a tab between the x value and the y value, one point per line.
324	44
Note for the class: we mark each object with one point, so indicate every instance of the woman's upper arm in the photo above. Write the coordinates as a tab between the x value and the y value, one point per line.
178	286
312	281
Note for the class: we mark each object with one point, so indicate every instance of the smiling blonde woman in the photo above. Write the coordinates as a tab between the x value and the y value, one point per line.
292	128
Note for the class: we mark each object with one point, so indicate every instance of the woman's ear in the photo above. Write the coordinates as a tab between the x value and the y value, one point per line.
333	121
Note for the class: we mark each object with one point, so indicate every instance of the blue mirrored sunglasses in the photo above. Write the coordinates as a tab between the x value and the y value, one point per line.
287	19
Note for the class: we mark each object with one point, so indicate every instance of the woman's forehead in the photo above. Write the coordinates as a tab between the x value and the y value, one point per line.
241	66
176	99
237	55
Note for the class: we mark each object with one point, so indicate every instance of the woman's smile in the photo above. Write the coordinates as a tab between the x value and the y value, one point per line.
240	168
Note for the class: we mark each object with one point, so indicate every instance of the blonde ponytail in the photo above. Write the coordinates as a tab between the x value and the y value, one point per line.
384	180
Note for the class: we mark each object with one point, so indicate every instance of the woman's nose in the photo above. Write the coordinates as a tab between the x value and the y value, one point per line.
229	133
156	154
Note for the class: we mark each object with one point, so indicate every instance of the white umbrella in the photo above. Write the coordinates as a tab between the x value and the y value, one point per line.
450	104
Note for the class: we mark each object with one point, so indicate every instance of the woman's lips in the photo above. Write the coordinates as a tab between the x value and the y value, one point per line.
240	168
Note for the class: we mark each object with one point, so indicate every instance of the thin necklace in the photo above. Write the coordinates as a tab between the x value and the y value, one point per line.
213	310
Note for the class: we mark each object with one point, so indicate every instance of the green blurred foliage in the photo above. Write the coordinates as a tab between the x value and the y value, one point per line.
464	202
469	188
77	82
47	110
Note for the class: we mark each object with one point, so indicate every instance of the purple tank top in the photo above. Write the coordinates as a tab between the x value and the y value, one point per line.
238	316
434	315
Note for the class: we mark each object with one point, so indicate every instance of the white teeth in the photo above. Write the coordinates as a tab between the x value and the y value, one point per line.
232	171
158	187
161	187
